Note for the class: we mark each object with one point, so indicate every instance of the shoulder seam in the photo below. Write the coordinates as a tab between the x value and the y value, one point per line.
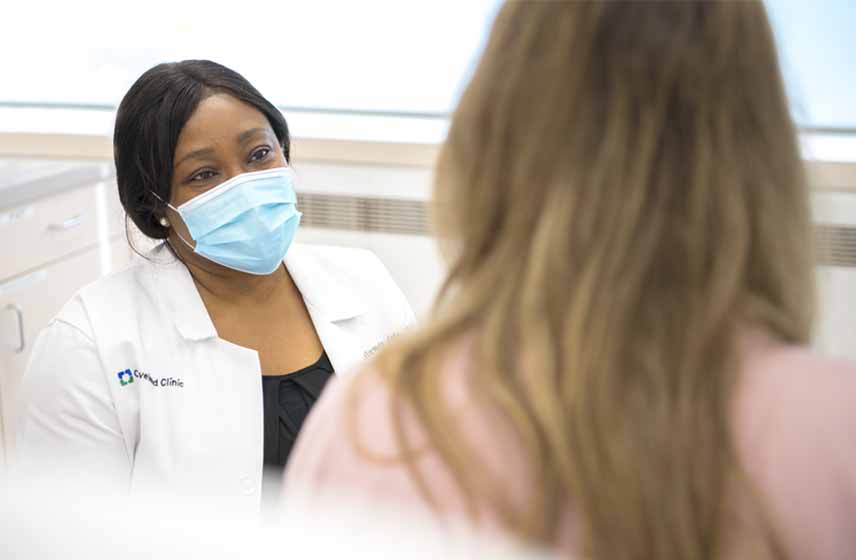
58	320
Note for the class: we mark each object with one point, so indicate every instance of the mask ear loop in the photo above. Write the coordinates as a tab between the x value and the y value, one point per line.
174	209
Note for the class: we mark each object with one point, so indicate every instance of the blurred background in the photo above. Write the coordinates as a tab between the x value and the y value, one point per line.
367	88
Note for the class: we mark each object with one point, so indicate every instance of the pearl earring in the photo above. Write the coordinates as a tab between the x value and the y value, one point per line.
163	221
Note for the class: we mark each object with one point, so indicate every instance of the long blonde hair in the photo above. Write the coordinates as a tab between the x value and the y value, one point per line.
620	193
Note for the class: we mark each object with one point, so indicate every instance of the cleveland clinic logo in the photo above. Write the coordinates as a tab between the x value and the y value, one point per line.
127	376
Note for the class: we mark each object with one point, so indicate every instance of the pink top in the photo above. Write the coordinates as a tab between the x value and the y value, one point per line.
795	418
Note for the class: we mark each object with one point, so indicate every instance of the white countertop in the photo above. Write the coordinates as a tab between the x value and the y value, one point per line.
24	180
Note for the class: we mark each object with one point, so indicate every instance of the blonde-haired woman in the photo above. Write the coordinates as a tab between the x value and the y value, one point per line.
617	366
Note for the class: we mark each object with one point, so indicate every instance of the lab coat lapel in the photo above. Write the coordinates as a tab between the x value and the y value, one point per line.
183	302
331	303
343	348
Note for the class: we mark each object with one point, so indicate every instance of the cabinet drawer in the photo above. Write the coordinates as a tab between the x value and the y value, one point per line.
27	304
46	230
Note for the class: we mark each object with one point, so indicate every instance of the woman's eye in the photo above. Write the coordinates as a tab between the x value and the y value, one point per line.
260	154
202	176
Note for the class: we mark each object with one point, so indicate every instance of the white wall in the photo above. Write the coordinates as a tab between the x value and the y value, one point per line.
836	325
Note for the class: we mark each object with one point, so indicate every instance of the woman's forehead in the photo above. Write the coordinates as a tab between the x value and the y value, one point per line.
221	118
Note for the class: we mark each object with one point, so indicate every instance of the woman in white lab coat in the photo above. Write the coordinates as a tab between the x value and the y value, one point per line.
194	366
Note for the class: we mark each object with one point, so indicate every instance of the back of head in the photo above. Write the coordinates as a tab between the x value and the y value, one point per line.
621	192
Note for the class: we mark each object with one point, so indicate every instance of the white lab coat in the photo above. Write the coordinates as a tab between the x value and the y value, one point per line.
191	420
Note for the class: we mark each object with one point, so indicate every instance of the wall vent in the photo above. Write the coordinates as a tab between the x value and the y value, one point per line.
361	213
836	244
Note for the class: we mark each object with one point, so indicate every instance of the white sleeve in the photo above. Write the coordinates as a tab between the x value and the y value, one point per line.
68	431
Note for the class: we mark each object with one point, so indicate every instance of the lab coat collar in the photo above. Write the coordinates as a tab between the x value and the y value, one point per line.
324	290
182	298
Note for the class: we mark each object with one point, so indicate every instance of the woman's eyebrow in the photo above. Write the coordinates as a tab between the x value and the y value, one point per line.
247	134
195	154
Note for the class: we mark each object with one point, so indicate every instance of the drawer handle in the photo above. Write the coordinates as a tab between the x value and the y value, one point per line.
71	223
19	318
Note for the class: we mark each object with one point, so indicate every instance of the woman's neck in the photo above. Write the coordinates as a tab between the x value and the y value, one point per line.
238	288
217	283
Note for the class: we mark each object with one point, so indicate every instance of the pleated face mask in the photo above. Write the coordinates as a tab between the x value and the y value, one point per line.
247	223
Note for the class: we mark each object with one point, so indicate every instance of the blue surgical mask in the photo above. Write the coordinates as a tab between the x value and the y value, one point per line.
247	223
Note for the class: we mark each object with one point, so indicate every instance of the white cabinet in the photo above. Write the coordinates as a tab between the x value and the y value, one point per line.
47	229
27	304
61	228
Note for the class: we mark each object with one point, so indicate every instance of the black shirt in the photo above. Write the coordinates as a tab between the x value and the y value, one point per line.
287	401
